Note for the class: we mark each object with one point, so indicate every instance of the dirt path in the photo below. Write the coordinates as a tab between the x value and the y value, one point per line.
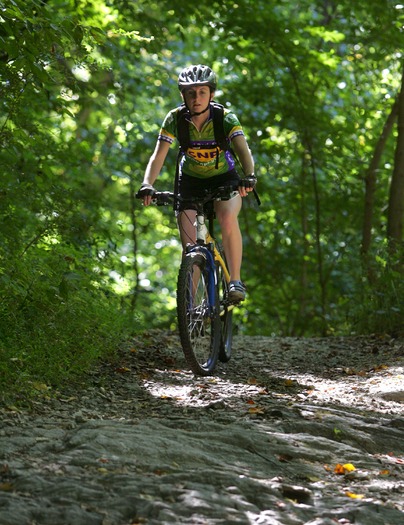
259	443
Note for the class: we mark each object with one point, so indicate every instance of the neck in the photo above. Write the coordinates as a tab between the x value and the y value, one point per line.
200	118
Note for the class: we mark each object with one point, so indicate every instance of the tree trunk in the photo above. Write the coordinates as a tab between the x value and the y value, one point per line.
132	200
395	215
371	179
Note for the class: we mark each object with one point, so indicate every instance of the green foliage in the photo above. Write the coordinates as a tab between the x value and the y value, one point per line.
56	320
378	307
84	88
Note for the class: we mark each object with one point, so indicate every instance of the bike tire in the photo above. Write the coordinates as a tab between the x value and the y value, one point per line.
226	314
198	321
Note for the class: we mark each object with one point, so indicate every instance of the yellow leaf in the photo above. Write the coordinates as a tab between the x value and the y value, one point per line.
349	467
343	469
354	496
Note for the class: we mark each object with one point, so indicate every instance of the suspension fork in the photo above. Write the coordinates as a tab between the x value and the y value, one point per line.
211	274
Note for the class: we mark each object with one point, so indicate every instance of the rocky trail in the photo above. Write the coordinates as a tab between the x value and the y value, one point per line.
290	432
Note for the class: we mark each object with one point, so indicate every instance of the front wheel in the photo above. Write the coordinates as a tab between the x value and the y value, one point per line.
198	319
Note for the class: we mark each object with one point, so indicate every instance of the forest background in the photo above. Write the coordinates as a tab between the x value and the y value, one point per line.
85	85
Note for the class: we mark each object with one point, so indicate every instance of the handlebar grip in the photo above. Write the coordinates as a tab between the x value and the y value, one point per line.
163	198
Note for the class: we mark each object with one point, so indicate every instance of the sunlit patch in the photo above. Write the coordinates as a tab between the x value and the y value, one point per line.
186	390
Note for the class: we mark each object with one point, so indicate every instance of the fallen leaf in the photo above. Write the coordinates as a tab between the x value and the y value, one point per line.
354	496
289	382
380	367
42	387
343	469
13	408
313	479
349	371
339	469
256	410
122	370
67	399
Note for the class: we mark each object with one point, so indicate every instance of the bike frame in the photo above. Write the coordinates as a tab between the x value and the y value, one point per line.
206	243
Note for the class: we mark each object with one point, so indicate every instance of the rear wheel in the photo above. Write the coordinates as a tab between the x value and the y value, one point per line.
198	320
226	315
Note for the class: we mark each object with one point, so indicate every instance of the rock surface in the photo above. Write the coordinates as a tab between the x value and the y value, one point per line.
290	432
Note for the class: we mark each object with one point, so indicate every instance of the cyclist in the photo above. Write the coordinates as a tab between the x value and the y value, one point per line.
205	166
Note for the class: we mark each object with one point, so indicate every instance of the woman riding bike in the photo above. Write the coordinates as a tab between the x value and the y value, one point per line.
204	165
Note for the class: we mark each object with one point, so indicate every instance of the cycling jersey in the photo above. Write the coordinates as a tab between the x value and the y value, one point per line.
200	160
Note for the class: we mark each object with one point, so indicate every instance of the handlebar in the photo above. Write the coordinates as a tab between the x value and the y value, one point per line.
163	198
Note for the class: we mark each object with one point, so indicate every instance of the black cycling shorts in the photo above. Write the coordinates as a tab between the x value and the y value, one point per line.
192	187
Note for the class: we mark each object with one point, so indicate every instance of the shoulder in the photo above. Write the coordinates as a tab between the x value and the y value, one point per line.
230	117
168	130
232	124
171	116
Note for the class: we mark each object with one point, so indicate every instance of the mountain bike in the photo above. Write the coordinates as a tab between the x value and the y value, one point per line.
204	311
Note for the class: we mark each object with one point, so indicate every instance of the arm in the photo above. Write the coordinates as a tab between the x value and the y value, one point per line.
155	165
243	153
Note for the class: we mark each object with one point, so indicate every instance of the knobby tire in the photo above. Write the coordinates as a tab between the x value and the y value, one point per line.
198	322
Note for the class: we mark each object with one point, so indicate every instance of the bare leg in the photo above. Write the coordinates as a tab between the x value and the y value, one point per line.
227	215
186	221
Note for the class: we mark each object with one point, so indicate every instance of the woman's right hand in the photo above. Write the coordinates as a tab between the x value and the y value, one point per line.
146	193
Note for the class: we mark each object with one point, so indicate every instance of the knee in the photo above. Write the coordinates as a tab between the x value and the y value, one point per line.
228	222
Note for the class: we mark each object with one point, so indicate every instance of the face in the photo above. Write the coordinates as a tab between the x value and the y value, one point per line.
197	97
